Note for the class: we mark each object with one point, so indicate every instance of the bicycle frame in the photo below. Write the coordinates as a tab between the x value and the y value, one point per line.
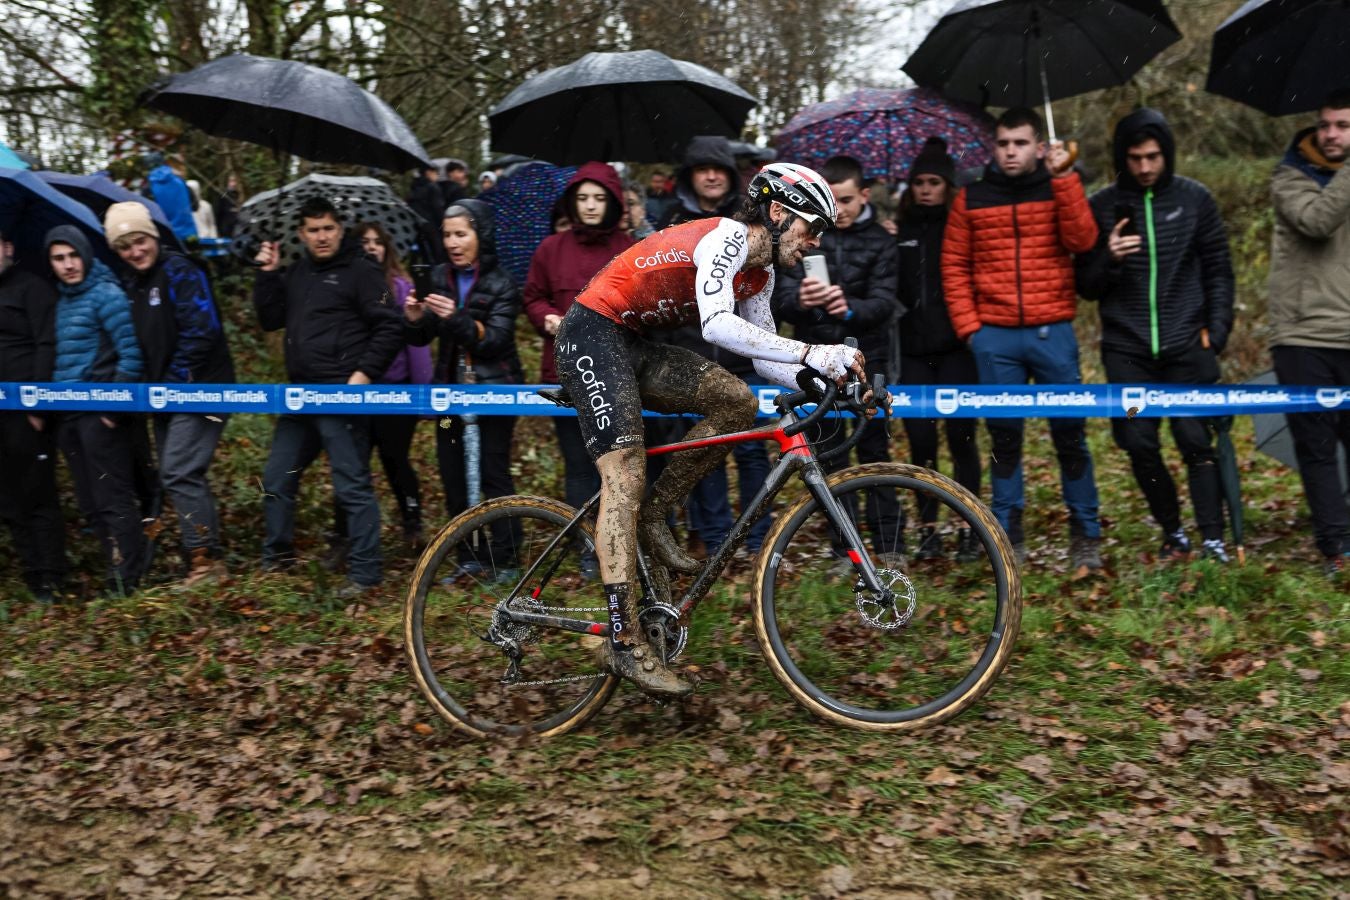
797	456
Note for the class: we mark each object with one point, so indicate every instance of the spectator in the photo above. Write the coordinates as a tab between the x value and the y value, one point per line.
226	207
392	436
341	328
473	313
29	502
635	223
96	341
203	216
926	350
560	268
1007	271
487	181
179	330
859	301
1310	309
707	185
658	195
165	187
455	187
1164	282
425	195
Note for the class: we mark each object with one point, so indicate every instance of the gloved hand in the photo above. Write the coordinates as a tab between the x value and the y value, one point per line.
832	360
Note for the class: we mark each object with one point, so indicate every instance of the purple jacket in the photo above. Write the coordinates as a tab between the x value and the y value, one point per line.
413	364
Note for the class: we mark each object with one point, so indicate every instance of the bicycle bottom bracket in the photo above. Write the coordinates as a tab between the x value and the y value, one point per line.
661	624
882	610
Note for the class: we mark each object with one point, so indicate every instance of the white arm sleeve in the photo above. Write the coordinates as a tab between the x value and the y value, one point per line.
719	256
759	313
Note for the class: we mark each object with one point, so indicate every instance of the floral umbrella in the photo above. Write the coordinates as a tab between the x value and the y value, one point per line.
885	129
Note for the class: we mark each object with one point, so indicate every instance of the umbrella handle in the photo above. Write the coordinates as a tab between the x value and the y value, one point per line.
1049	113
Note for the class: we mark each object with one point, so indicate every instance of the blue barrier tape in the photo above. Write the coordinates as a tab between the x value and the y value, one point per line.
927	401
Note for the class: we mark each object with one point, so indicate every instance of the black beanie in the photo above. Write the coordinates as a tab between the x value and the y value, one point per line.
933	160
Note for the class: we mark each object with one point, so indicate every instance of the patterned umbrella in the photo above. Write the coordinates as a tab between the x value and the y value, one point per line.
885	130
523	203
273	215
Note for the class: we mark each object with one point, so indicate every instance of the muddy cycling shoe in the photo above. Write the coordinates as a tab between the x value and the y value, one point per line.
640	665
658	540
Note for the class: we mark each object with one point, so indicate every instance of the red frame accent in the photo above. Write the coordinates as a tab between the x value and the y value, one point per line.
796	444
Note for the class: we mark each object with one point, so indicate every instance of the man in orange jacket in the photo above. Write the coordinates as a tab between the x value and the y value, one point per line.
1008	276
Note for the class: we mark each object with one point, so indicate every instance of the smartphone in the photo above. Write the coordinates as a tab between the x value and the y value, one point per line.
816	268
421	276
1126	212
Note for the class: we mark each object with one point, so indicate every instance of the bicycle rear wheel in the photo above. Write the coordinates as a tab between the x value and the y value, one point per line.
481	672
893	664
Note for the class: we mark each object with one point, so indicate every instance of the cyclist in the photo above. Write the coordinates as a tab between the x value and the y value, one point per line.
717	272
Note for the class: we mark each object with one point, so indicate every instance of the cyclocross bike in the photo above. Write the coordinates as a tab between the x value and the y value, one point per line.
508	643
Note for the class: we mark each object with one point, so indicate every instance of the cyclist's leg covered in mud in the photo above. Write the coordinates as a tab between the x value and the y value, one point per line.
596	365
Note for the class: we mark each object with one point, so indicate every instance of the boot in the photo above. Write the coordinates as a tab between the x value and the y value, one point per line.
930	544
968	549
202	568
334	559
641	665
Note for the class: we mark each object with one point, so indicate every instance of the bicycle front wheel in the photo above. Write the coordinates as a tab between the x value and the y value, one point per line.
481	672
916	656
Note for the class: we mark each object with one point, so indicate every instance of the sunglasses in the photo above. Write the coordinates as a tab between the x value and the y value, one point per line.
815	225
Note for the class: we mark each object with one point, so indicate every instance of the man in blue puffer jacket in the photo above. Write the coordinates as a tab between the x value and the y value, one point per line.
96	341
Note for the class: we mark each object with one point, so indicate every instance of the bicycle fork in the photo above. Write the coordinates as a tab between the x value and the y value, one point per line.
817	484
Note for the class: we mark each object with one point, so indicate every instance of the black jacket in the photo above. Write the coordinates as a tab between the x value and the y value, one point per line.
27	327
427	199
178	323
862	260
484	322
1185	244
924	327
338	315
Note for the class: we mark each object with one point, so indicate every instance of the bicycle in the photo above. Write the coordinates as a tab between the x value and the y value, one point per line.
888	658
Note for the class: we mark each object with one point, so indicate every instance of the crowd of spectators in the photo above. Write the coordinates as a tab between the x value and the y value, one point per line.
968	283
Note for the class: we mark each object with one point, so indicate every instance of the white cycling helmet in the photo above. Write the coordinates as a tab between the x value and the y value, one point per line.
801	190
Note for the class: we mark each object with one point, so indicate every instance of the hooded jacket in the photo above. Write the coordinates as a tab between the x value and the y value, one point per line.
1007	254
862	260
483	326
174	198
1154	303
338	316
95	336
705	150
1310	255
925	326
566	262
178	323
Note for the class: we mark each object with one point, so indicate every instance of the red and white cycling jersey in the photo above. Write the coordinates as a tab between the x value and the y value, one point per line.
695	273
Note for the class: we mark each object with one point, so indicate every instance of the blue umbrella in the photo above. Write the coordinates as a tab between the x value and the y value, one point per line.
11	160
29	208
98	192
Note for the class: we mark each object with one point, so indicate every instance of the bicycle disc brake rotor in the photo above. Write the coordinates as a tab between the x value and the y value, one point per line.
884	610
661	623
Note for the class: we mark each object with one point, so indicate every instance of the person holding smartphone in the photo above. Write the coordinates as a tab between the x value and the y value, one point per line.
1163	279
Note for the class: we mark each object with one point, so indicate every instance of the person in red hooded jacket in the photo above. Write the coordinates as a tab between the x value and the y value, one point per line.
562	265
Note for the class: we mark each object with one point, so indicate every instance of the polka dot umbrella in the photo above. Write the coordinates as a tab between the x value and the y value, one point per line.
885	129
523	202
274	215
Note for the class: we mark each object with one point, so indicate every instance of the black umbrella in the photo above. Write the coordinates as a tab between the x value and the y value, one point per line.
640	106
1025	52
290	107
1282	56
98	193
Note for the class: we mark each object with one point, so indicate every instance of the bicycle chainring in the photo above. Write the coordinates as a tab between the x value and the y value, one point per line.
661	624
884	611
